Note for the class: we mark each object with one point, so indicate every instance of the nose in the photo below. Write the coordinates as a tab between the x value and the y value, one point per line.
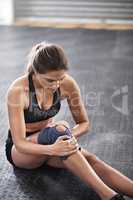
58	83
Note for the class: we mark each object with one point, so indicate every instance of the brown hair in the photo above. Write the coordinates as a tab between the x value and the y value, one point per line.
45	57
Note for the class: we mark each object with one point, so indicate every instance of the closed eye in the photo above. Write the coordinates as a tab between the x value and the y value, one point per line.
51	80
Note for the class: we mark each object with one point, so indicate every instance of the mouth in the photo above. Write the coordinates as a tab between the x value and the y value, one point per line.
53	89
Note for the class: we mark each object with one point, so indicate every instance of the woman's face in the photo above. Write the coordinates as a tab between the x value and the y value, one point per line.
52	79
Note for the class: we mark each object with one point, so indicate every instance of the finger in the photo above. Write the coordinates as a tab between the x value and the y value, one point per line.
73	151
64	137
69	153
73	147
68	141
74	141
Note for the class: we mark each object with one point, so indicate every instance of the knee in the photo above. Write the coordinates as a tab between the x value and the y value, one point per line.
60	128
91	158
50	134
63	127
62	123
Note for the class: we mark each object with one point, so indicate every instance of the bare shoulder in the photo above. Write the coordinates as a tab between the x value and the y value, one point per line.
18	89
69	86
20	82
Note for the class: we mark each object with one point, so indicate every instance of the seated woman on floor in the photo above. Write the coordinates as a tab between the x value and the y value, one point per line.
34	138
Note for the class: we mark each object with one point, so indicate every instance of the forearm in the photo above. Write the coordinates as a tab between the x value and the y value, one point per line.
80	129
28	147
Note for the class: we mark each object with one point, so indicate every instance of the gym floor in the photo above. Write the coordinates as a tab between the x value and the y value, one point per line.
101	61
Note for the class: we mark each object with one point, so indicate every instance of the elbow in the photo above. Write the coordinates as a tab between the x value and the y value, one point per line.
19	146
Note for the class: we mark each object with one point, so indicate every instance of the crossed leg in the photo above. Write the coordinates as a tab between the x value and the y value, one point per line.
110	176
102	177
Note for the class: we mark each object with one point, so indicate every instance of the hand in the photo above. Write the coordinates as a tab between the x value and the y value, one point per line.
64	145
74	140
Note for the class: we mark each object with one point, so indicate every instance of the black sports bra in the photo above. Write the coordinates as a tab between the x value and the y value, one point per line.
34	113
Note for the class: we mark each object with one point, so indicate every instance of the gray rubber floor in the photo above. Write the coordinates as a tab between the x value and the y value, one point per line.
101	61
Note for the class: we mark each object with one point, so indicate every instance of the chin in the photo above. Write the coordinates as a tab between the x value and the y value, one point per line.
53	89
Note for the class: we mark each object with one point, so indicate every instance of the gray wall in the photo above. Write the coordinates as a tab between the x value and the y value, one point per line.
75	10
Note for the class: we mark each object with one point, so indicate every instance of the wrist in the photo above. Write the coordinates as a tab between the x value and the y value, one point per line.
73	134
49	150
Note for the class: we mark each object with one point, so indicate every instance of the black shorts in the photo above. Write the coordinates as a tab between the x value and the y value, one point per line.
9	144
8	148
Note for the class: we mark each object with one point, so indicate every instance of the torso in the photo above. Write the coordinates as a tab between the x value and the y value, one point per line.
24	83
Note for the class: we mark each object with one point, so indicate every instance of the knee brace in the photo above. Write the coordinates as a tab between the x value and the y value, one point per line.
50	134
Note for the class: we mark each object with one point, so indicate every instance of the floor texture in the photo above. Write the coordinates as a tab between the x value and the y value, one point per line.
101	61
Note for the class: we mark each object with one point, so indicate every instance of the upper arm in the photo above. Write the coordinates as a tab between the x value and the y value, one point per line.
75	103
15	105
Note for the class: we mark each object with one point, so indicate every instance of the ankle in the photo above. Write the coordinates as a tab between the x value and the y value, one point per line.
118	197
109	196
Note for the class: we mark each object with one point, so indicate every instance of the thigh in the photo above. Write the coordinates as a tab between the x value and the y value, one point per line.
90	157
27	161
56	162
33	161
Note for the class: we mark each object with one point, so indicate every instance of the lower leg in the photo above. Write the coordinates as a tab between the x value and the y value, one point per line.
110	176
80	167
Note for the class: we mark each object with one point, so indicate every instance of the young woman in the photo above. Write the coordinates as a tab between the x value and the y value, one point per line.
34	137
